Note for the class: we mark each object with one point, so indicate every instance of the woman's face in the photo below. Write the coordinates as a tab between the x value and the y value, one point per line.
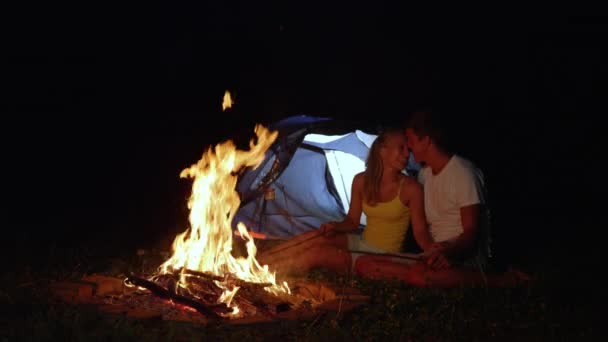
394	152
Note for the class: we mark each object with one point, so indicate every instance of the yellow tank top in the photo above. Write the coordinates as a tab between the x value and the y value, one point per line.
387	223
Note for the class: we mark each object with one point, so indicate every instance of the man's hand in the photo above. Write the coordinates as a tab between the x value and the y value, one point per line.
437	259
328	229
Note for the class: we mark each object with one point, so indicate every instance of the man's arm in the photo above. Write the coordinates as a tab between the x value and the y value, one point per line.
415	198
469	216
442	252
468	194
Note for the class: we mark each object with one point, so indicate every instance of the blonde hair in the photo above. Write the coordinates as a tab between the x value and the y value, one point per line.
374	168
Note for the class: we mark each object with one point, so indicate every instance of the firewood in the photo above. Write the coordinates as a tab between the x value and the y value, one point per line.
73	291
164	293
104	284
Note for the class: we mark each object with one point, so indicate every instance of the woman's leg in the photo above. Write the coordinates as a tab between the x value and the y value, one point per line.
301	256
325	256
290	248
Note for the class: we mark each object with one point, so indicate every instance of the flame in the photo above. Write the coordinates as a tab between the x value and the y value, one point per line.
206	246
227	101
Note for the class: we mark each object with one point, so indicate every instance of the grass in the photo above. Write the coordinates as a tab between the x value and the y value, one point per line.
551	308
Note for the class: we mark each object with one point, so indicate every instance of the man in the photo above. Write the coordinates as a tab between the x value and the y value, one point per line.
454	197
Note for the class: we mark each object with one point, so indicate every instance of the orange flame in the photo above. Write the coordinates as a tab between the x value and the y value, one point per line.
206	246
227	101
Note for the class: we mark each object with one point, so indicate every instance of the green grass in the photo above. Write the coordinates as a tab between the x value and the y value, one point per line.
551	308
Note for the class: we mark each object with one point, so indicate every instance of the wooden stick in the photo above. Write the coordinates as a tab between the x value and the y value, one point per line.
296	244
260	236
392	255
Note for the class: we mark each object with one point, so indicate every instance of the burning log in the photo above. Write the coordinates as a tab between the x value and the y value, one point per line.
232	280
202	290
160	291
251	295
265	302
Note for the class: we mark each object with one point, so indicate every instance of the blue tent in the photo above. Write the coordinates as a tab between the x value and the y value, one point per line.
306	176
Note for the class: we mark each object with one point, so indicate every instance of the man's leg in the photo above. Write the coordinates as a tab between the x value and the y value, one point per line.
382	268
456	277
420	275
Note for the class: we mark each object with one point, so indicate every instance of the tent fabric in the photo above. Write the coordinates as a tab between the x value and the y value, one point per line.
310	169
302	199
349	143
291	132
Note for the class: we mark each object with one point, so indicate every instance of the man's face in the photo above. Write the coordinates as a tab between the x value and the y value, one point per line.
417	145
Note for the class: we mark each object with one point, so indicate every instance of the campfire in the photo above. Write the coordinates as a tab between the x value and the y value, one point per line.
201	280
201	277
202	272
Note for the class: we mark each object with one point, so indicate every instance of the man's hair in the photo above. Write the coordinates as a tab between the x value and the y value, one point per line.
427	123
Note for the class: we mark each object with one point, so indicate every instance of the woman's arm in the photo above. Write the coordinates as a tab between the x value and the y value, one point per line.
352	219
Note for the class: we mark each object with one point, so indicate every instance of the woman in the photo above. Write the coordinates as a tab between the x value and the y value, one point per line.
390	200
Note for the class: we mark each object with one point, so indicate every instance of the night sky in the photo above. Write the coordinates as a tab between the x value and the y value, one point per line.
107	105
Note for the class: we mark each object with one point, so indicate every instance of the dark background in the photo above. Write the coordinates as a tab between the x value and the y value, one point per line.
107	105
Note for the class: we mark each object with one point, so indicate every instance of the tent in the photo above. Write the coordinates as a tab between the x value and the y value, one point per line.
306	176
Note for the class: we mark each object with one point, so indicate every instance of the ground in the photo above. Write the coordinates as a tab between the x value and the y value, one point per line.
557	305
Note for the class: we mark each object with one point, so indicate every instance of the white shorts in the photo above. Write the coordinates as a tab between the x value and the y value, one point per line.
356	243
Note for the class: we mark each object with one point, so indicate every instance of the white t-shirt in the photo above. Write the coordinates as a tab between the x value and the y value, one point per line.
457	185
